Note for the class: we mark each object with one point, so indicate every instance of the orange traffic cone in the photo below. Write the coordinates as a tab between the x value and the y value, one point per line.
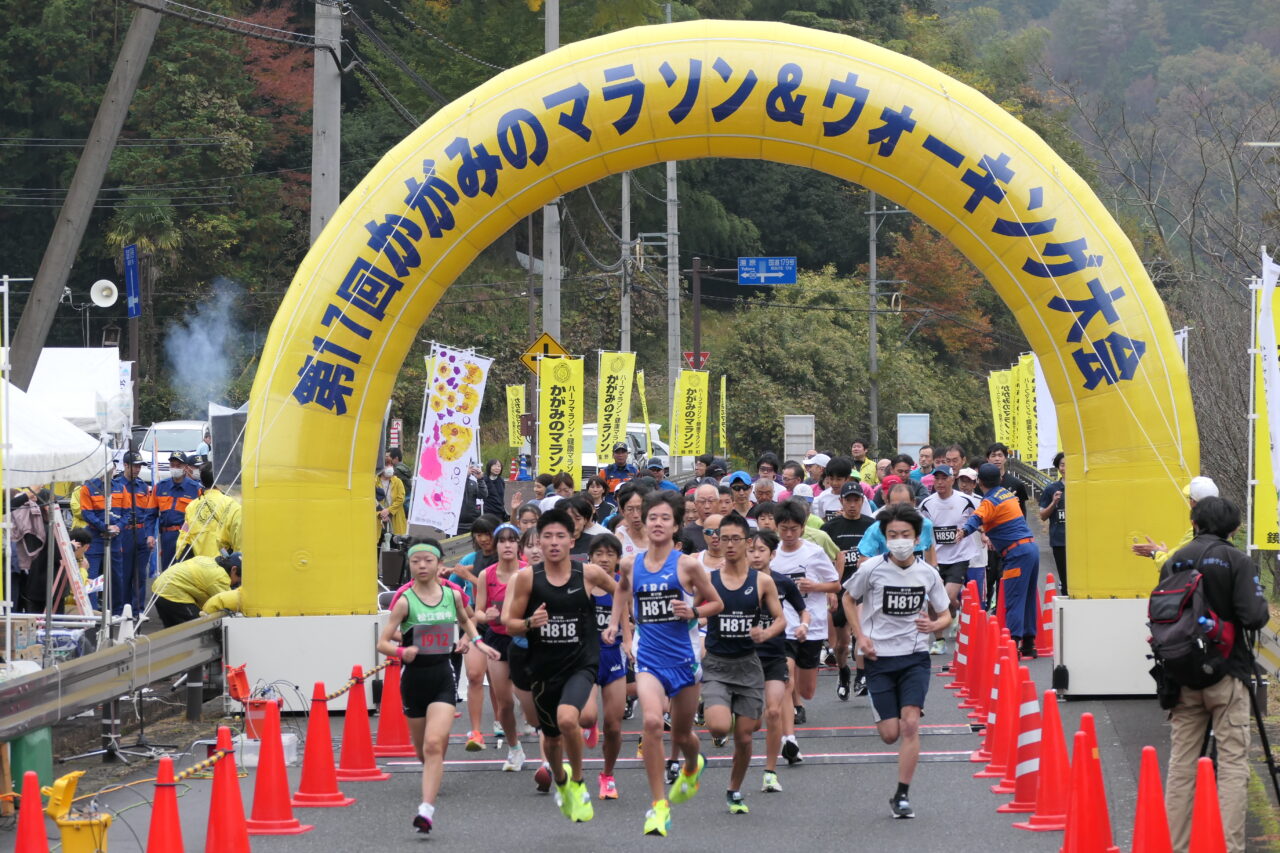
356	763
393	728
975	652
165	835
1151	823
986	670
1207	834
1025	771
272	813
1006	716
1079	814
319	778
1052	792
1044	639
960	661
31	837
984	752
1098	820
227	832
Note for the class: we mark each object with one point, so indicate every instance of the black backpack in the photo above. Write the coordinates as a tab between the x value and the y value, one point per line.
1188	654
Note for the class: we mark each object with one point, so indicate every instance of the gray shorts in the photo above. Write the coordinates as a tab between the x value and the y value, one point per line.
737	683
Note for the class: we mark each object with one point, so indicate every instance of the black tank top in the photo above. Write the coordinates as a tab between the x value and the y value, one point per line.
570	639
729	631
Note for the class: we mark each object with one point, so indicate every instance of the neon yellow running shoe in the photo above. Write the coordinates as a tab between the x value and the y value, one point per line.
657	821
564	793
580	808
685	787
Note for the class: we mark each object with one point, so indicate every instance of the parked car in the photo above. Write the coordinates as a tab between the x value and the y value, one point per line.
167	437
635	441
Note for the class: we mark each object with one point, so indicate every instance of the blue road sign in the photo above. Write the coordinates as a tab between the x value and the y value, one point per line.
133	291
766	270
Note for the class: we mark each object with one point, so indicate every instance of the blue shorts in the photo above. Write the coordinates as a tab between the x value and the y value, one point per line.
896	682
612	666
674	678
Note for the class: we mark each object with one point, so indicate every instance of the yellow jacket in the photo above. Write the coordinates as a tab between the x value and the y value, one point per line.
77	519
229	600
213	523
193	581
867	471
1161	556
394	502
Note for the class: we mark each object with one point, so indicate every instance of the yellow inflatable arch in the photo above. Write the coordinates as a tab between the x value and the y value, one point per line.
676	92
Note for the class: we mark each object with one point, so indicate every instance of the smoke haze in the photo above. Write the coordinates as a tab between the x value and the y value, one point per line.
200	350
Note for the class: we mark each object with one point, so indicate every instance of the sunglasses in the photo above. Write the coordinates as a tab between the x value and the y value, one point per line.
740	487
711	531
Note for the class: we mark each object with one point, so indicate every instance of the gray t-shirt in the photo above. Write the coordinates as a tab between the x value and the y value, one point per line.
892	598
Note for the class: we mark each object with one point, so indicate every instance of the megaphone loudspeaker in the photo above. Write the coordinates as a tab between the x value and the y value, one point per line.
104	293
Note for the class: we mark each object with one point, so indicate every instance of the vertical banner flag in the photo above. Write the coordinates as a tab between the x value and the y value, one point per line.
644	414
1046	422
689	420
1016	414
560	398
450	427
993	391
1029	425
724	418
613	402
515	408
1266	407
1003	405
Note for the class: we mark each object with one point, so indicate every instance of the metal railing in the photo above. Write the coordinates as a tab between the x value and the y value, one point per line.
64	690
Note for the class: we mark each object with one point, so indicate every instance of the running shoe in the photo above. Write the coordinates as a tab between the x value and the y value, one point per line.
801	717
673	770
498	734
842	691
720	740
829	658
640	747
860	685
580	808
529	731
699	718
608	788
1028	649
515	759
736	804
939	647
422	823
630	710
901	806
657	821
564	794
666	721
771	784
475	741
686	786
591	736
791	752
542	778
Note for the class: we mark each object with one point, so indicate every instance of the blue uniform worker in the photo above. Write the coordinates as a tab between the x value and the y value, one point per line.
137	517
1000	516
170	499
103	527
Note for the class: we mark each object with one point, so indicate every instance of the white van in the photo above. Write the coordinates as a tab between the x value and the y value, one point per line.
168	437
635	442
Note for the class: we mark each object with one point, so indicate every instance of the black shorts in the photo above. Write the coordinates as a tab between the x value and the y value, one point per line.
501	642
956	573
775	669
838	618
896	682
426	684
518	661
572	689
805	654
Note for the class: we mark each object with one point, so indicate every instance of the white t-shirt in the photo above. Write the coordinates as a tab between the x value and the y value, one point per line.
549	501
948	516
807	561
892	598
826	506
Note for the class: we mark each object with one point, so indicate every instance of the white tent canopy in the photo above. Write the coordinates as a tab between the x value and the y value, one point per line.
44	448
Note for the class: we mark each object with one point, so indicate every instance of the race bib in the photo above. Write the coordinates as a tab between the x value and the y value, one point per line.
1060	515
436	639
559	630
945	535
603	615
657	605
902	600
830	514
851	558
735	626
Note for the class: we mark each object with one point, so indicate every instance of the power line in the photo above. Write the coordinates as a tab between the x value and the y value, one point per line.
386	51
426	32
125	142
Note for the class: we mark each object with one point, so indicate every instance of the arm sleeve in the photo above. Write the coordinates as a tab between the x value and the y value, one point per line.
979	516
92	517
938	598
397	495
1046	496
231	527
824	568
1247	597
857	585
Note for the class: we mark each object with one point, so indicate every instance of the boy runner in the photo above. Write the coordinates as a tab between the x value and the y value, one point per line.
732	676
558	617
429	635
606	552
665	584
897	593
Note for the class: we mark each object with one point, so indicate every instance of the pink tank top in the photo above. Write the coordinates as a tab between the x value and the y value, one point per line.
495	592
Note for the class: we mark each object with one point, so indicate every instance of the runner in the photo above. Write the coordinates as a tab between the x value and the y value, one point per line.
518	666
815	576
491	592
873	544
606	552
949	510
713	557
847	530
665	584
967	482
897	593
732	676
630	531
465	575
429	635
558	617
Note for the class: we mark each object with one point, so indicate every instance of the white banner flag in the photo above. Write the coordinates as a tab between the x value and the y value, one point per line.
1270	362
449	439
1047	421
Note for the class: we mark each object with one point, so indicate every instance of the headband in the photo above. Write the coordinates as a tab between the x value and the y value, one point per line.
506	525
424	546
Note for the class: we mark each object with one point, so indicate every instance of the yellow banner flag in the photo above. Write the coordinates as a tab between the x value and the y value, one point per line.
1002	404
724	418
1016	409
1028	427
689	420
644	413
515	408
560	398
613	401
1265	529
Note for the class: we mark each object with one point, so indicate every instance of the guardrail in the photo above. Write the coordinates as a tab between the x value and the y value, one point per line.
64	690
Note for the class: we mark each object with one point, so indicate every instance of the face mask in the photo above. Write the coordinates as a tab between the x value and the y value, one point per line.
900	549
177	474
388	471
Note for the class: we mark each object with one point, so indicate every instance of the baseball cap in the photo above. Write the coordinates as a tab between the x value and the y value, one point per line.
195	460
179	457
705	459
889	482
988	472
968	472
621	445
821	459
228	560
804	492
942	471
738	477
851	488
1200	488
715	469
132	458
656	463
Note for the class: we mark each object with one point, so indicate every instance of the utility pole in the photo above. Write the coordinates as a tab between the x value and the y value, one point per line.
626	263
697	312
873	367
673	280
326	116
532	383
551	212
68	231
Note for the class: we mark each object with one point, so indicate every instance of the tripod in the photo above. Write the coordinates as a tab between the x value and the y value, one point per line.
112	751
